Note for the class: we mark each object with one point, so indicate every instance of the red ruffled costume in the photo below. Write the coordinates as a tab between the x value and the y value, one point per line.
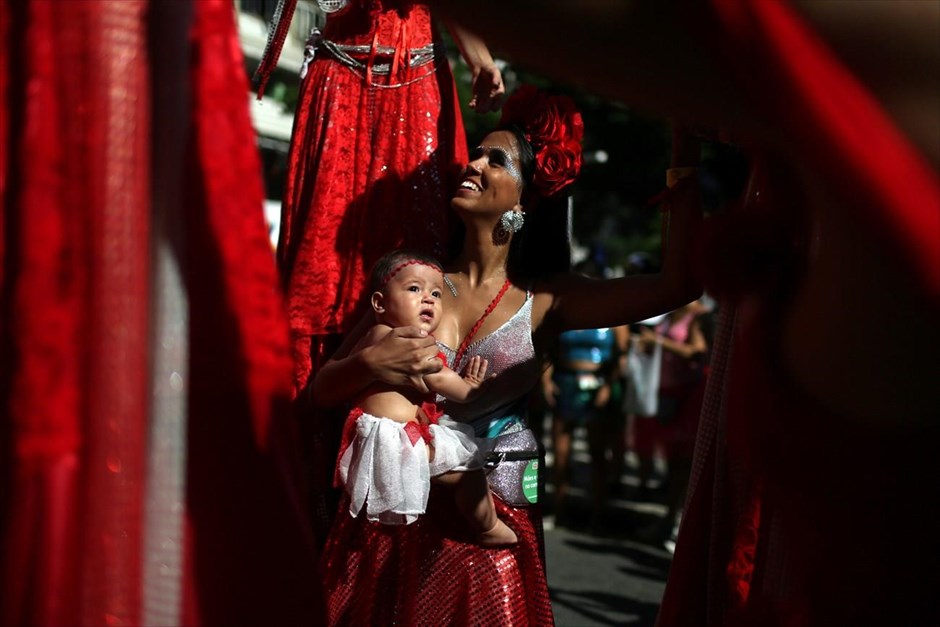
796	516
372	166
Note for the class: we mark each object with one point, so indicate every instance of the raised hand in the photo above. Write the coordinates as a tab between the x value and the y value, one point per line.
488	88
475	372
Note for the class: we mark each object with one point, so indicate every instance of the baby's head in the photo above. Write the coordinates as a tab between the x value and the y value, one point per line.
406	290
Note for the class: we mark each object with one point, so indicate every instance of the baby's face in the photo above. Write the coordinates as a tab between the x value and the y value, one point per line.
413	297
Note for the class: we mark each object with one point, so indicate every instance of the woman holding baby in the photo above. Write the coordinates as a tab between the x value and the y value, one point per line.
507	296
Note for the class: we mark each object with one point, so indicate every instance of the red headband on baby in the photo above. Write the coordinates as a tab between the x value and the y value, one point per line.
409	262
553	126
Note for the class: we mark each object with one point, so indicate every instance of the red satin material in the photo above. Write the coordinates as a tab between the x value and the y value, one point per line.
849	140
249	552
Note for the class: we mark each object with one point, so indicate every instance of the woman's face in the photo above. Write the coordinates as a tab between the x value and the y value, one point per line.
492	181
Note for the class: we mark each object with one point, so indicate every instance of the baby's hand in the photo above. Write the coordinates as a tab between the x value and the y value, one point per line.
475	372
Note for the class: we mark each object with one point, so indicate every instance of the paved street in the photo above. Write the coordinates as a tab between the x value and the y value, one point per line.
607	577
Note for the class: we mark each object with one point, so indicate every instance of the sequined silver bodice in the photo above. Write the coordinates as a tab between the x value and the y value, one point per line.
511	357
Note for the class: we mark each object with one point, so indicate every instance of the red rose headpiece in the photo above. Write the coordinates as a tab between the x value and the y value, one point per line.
553	126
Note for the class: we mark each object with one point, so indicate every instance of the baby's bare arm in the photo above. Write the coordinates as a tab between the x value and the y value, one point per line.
453	387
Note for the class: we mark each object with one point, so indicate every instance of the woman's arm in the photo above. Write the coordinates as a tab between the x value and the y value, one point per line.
695	345
488	88
402	357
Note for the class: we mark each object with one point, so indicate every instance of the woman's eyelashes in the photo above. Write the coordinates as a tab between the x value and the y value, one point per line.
494	156
499	158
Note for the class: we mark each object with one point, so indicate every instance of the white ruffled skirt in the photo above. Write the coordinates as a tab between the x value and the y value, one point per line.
390	477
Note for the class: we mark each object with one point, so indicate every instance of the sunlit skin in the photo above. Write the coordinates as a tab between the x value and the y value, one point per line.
491	181
411	297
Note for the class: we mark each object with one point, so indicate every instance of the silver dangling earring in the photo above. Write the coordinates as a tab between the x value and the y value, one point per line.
512	221
331	6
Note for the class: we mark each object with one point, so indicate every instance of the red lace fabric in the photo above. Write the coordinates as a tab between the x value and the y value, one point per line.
76	123
371	168
428	573
794	515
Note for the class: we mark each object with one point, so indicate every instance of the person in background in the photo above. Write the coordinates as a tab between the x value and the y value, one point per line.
584	390
683	346
682	337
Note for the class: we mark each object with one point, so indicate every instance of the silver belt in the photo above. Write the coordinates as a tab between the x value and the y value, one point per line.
343	53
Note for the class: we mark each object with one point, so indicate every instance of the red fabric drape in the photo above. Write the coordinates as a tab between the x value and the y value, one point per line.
794	514
251	560
76	118
838	126
75	312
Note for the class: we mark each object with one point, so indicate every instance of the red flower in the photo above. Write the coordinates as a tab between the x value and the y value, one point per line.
554	128
557	166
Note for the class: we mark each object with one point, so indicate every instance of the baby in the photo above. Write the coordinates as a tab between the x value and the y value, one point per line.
400	440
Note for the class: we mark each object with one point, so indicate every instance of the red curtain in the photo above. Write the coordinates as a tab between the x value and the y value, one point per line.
77	183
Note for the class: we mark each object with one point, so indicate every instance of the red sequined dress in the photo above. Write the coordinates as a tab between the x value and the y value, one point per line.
377	143
430	572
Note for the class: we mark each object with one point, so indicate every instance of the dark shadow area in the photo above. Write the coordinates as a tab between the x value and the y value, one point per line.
598	607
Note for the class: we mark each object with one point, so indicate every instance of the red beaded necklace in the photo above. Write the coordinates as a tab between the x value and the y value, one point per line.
479	323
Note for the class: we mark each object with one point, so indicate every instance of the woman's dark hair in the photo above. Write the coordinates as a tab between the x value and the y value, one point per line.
380	271
543	246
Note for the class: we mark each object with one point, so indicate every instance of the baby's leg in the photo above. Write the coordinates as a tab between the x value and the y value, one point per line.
475	503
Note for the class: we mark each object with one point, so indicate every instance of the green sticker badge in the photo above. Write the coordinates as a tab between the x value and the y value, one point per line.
530	481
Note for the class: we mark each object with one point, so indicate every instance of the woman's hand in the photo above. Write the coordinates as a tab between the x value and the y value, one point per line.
403	357
488	88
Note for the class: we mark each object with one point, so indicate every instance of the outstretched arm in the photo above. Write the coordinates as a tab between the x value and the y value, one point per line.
488	88
637	52
453	387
